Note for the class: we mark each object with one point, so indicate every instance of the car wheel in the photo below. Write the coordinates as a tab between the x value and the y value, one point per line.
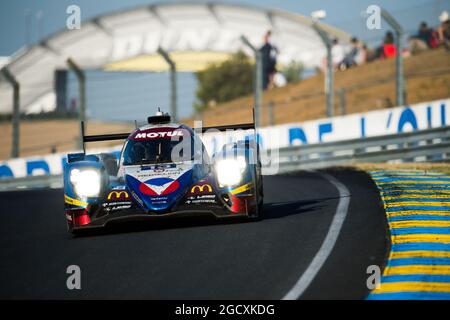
258	212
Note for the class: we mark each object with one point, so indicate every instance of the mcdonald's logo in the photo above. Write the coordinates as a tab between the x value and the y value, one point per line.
118	195
201	188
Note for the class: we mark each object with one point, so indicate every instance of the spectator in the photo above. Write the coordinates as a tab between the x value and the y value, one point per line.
279	80
388	49
444	30
363	54
423	40
371	54
337	53
350	58
425	34
269	60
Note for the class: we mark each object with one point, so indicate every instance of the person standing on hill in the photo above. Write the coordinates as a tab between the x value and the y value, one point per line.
444	30
337	53
269	60
426	38
387	49
351	56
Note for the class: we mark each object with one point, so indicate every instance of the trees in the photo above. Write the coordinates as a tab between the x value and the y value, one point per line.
232	79
223	82
293	72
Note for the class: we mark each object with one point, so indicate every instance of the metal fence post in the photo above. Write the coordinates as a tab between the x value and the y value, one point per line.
329	77
258	87
271	114
15	112
342	101
82	92
399	79
173	83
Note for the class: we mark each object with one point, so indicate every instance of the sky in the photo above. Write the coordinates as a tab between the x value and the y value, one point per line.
343	14
15	15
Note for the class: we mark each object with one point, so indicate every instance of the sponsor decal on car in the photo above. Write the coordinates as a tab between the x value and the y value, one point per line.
207	198
136	197
159	198
197	201
201	189
112	204
159	202
143	173
159	186
159	134
242	188
122	207
159	167
146	174
74	202
115	206
118	195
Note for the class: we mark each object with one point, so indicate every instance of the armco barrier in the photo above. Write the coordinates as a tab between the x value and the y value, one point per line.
34	182
426	145
421	116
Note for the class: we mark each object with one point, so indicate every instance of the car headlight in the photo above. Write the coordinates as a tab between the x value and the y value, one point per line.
86	182
229	171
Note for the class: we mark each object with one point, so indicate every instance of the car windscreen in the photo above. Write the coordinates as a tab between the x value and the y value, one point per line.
155	151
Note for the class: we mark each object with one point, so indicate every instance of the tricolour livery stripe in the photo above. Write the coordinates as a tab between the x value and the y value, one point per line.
417	205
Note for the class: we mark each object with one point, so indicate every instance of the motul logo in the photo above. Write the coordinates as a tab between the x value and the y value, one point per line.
162	134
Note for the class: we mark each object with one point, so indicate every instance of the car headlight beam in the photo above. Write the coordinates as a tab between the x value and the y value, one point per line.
230	171
86	182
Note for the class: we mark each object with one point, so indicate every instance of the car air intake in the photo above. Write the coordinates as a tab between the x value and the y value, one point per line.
159	119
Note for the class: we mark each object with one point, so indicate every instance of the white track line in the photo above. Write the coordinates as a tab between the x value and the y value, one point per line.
328	243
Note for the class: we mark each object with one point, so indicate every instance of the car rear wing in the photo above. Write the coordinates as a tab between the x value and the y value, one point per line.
123	136
243	126
100	137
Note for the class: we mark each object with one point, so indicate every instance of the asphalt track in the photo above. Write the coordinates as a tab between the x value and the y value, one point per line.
199	259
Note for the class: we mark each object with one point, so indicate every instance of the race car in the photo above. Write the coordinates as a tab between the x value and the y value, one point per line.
162	170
